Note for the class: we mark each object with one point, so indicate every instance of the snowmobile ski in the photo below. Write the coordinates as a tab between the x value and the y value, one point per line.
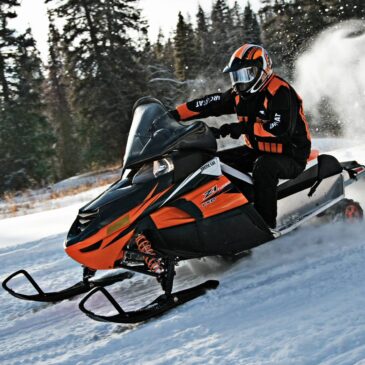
159	306
79	288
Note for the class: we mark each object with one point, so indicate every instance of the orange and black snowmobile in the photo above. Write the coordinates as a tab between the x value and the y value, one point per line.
176	201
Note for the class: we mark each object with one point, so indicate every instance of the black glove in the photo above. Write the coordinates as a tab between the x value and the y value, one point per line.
174	114
215	132
225	130
235	130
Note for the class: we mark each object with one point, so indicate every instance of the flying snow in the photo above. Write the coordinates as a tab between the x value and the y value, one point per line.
333	68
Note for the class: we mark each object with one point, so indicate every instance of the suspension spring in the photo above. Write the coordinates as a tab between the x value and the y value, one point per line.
145	247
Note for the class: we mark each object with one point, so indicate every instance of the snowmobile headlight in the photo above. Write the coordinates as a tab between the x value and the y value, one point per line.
151	170
162	167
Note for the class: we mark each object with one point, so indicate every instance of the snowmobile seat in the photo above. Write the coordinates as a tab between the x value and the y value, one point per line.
318	169
311	177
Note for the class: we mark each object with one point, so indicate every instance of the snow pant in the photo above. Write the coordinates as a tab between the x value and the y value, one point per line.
266	170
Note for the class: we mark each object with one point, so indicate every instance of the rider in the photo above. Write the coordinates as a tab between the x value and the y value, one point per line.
271	118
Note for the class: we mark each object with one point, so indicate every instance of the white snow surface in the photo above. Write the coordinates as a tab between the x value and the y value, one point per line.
297	300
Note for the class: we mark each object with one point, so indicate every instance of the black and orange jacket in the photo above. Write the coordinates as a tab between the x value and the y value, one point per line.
275	119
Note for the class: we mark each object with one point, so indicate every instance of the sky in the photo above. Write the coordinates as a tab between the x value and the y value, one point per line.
159	14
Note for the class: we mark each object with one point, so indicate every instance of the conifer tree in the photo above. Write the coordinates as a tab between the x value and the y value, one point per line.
109	77
235	29
8	55
25	134
35	131
236	14
203	41
162	83
202	35
168	53
221	25
58	106
158	48
185	51
251	27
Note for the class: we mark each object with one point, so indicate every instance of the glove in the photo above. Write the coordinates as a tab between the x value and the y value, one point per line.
235	130
215	132
225	130
174	114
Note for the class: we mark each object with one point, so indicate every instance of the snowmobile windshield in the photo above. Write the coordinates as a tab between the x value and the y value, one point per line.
154	133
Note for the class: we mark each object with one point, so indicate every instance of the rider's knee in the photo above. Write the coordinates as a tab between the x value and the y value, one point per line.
263	168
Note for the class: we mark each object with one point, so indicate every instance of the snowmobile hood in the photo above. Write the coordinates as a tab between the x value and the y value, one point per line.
154	133
117	201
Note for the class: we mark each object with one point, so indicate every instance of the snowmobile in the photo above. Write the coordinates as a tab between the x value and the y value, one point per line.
177	201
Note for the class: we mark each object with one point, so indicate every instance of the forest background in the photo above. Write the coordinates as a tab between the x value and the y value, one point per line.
72	114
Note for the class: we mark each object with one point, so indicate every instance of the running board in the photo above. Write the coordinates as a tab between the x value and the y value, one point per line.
291	226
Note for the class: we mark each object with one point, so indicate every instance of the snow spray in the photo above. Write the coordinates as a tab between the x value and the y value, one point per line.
333	68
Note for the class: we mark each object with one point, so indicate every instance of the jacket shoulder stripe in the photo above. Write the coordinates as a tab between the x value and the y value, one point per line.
274	84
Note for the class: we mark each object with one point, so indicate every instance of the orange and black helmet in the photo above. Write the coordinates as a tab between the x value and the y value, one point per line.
249	68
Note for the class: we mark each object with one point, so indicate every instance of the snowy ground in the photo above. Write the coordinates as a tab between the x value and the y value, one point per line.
297	300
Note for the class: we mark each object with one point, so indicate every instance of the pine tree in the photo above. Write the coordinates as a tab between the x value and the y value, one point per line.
35	133
221	30
108	76
235	29
26	155
161	81
168	53
58	106
281	35
185	52
251	27
8	45
203	41
236	14
159	46
266	12
201	32
220	15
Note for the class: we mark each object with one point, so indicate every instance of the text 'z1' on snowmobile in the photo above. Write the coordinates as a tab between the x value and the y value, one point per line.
176	201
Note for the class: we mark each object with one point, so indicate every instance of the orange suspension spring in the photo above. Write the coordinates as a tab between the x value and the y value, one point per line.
144	246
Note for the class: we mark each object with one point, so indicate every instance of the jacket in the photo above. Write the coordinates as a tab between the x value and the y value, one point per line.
273	119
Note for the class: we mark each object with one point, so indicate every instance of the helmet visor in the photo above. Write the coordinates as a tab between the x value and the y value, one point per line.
243	75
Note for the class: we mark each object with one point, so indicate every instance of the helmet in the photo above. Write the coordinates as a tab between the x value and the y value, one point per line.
249	69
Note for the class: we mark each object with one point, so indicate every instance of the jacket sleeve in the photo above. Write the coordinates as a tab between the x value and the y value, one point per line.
212	105
283	113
